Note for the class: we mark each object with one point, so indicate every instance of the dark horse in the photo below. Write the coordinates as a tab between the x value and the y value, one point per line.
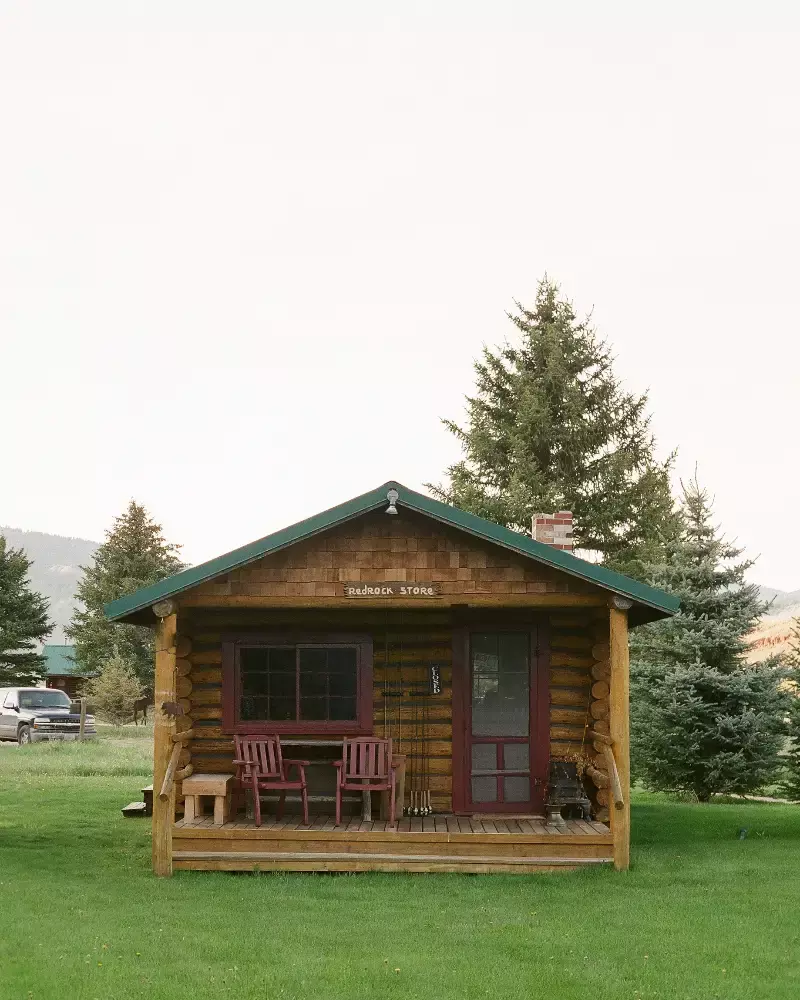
140	705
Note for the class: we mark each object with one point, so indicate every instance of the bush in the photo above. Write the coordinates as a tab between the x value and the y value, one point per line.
114	690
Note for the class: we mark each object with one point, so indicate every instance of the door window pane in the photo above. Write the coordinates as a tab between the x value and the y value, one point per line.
484	756
500	684
484	789
516	789
516	757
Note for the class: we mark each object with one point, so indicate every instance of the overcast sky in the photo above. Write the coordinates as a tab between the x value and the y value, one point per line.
249	251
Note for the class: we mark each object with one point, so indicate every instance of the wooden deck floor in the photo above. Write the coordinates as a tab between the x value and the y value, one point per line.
432	843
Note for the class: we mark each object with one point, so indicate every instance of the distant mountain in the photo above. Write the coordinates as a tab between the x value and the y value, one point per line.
55	571
779	599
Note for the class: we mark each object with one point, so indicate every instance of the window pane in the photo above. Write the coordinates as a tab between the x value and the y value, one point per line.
342	659
281	710
282	685
281	658
343	683
313	659
343	709
312	709
516	789
252	658
484	756
516	757
255	682
313	683
253	708
484	789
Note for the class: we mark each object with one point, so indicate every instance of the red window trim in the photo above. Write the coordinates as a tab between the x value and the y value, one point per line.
362	726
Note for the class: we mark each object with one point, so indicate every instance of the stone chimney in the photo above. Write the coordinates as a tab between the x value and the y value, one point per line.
554	529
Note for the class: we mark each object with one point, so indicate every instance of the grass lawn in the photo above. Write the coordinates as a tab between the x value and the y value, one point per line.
701	915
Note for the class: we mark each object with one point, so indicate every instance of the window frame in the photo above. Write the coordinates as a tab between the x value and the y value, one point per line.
231	683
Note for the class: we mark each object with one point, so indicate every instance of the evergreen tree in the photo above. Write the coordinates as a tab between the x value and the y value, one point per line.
114	690
24	620
550	428
790	786
703	719
134	554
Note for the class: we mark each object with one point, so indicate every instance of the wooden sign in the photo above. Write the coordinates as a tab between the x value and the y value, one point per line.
388	589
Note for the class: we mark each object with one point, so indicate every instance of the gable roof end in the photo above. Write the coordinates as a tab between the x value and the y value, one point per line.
658	602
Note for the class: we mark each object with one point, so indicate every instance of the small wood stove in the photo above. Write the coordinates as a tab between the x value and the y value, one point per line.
565	789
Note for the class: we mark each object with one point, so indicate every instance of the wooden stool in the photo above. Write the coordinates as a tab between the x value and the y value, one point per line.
198	786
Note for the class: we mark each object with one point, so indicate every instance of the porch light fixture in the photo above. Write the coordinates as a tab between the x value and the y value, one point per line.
392	496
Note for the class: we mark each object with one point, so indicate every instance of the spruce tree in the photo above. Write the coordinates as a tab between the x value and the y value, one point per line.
703	719
551	428
24	620
790	785
134	554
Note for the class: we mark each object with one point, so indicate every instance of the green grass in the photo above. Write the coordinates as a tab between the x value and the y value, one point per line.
701	915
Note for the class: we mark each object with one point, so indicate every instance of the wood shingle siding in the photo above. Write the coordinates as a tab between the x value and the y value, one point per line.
376	548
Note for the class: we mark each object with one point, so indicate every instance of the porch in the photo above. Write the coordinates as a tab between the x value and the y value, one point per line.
438	843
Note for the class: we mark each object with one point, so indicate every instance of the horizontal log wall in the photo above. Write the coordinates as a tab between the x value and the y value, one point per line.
574	655
419	722
405	643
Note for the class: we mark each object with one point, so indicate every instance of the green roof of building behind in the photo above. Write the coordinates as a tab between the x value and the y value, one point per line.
59	661
640	593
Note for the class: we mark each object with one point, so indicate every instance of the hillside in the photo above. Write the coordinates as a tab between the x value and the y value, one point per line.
773	634
55	571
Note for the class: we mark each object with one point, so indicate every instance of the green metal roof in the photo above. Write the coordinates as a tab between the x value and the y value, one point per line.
59	661
487	531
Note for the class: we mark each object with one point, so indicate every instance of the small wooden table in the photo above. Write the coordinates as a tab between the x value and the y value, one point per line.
199	786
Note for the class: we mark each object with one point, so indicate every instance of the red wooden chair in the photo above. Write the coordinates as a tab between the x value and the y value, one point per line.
261	766
366	766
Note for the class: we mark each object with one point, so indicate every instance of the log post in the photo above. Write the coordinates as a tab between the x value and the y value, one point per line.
163	728
619	725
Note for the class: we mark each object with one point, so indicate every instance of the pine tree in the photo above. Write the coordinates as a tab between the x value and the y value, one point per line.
703	719
114	690
134	554
24	620
550	428
790	785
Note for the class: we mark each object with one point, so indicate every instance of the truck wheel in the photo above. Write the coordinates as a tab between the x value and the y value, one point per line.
24	735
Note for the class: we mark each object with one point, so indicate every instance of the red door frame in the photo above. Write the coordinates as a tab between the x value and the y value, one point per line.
538	628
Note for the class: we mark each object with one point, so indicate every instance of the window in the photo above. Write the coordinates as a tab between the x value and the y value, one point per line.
302	684
44	698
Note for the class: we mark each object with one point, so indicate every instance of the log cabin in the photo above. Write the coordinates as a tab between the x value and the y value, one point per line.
489	657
